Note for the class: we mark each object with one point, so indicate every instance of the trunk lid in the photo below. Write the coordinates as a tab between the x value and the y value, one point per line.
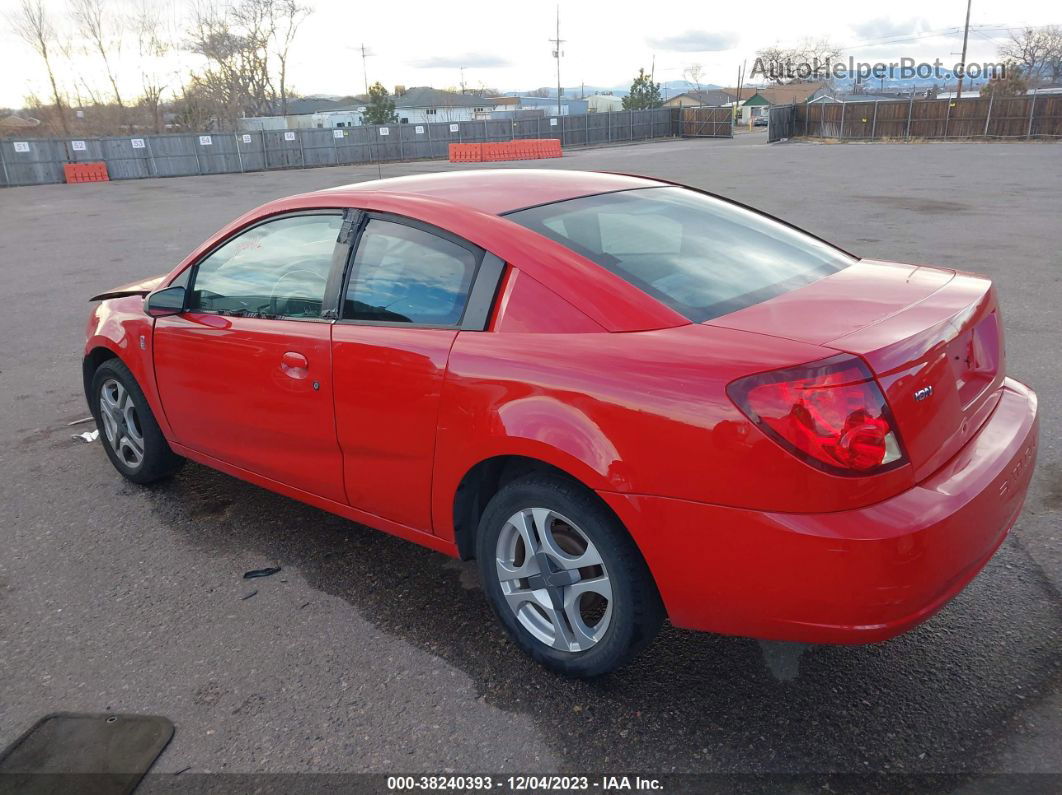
931	336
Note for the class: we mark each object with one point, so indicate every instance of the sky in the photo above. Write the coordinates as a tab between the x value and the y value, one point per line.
505	45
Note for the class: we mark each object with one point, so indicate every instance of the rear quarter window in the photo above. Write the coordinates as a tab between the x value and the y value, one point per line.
702	256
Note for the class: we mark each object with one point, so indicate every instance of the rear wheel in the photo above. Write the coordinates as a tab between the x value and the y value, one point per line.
131	437
565	579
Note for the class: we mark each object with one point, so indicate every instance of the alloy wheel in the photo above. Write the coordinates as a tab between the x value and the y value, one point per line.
121	425
554	579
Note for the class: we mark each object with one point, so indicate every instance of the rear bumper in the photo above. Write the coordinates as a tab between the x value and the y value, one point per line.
846	577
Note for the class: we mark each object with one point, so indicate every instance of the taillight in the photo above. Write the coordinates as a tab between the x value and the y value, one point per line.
830	413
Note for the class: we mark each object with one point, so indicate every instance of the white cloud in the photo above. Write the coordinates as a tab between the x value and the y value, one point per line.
696	41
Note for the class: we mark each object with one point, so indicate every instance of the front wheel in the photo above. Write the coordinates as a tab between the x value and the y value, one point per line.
565	578
131	437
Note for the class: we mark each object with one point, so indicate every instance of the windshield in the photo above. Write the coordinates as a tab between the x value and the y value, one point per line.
702	256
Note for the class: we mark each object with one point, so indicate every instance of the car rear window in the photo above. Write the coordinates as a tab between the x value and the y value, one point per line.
702	256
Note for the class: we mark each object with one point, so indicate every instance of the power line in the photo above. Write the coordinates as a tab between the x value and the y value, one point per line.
929	34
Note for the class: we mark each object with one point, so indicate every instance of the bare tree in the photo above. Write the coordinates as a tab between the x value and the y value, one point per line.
103	33
34	27
236	81
153	45
1053	54
693	74
1030	48
242	43
290	15
807	62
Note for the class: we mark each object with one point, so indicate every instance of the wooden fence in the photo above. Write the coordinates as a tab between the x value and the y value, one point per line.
707	122
973	117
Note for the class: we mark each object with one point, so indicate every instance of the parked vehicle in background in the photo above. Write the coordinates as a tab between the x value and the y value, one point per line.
625	398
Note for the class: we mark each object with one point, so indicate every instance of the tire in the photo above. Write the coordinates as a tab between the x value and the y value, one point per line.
130	435
597	605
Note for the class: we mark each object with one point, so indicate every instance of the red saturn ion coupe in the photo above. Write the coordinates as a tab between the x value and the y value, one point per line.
624	397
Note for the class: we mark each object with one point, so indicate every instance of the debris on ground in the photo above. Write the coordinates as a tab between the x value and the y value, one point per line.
248	596
255	573
81	421
87	436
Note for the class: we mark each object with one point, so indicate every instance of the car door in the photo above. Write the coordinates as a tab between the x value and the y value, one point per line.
244	373
410	290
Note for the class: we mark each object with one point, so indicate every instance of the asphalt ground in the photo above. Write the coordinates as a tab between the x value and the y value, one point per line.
367	653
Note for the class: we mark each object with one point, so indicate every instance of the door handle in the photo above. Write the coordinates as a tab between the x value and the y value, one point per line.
295	365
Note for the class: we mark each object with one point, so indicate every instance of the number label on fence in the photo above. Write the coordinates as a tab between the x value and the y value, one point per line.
552	122
21	146
454	127
337	133
206	140
138	143
77	146
289	136
384	131
419	130
246	138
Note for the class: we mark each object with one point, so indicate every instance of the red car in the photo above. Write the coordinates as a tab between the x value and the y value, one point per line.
624	397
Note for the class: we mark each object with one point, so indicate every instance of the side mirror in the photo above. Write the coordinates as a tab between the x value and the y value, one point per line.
169	301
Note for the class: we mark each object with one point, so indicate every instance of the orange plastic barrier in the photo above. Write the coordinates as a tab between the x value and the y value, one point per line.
522	149
466	153
85	172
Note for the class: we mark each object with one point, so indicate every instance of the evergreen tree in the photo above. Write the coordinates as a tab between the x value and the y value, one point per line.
381	108
644	94
1011	83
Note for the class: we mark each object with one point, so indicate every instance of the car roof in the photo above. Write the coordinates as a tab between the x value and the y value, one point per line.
498	190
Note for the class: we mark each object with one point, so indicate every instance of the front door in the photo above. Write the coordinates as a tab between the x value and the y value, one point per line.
245	373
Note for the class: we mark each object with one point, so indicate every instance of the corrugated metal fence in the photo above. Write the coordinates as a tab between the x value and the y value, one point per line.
40	161
970	117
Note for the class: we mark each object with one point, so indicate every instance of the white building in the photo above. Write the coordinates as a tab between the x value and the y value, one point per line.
421	104
603	103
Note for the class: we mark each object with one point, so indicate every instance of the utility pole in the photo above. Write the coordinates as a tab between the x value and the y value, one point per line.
557	53
737	99
365	68
965	36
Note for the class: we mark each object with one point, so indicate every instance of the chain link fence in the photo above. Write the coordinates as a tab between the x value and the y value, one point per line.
39	161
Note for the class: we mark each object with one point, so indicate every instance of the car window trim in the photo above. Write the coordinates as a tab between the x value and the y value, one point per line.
339	253
479	298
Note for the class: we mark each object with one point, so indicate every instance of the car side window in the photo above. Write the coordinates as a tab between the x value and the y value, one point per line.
276	269
403	274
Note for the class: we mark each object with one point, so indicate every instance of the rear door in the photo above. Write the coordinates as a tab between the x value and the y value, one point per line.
245	372
409	291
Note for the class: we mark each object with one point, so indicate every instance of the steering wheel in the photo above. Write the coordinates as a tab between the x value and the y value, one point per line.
298	269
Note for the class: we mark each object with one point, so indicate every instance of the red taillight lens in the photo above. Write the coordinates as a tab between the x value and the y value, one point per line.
830	413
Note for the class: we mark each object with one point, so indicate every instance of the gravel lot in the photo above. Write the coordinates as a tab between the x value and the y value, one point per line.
370	654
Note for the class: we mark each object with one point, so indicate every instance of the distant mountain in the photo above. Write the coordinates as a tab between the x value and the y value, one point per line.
668	87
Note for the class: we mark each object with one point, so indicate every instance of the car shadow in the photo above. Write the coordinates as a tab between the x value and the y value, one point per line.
938	699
